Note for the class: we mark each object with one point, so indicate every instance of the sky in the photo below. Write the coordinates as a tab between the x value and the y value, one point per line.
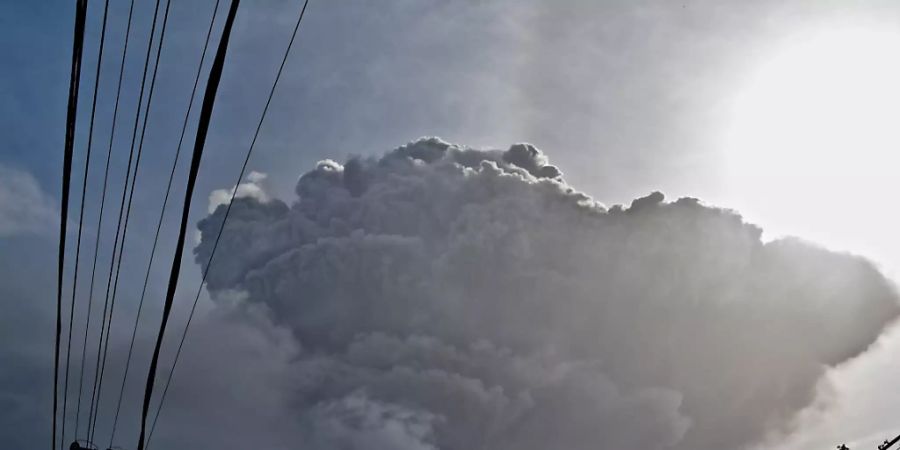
781	111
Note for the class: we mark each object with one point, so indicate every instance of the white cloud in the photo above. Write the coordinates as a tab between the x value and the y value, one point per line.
252	188
24	207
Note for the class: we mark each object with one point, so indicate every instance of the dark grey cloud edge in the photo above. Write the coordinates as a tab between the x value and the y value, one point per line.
443	297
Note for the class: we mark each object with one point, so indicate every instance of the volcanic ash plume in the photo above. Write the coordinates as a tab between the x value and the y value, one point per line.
442	297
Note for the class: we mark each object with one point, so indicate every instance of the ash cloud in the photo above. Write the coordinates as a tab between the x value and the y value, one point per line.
443	297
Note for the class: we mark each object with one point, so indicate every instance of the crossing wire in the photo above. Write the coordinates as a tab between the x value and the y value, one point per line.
87	165
134	178
225	218
92	418
112	134
209	98
160	221
68	150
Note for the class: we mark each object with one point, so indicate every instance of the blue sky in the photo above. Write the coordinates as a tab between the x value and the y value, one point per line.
625	97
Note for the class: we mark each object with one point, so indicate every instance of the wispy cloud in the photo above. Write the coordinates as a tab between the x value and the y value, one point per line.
24	206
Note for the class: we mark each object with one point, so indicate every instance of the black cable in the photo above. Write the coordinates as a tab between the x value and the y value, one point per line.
209	99
92	418
100	215
160	221
225	218
888	444
87	165
130	200
68	150
137	163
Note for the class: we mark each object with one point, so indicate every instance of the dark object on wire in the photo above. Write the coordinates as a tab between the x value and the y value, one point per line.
888	444
209	99
71	120
883	446
82	445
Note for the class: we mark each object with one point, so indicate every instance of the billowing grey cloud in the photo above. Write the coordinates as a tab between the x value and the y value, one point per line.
442	297
24	206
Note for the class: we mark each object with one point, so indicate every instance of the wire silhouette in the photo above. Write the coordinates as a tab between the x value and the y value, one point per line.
209	98
225	218
883	446
87	165
68	150
100	218
888	444
160	221
140	148
98	380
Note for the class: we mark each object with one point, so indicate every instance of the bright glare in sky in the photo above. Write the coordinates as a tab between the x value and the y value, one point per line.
813	147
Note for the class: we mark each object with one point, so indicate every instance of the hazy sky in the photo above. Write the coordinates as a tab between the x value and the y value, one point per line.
783	111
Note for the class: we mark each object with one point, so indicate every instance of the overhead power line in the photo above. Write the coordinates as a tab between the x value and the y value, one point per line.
126	210
888	444
87	165
883	446
225	218
112	134
98	370
160	221
206	110
68	150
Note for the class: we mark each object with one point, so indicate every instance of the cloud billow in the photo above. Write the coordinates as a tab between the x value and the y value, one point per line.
442	297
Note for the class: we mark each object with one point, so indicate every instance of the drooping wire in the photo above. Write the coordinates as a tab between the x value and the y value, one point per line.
68	150
137	163
112	134
209	98
87	165
225	218
160	221
92	418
